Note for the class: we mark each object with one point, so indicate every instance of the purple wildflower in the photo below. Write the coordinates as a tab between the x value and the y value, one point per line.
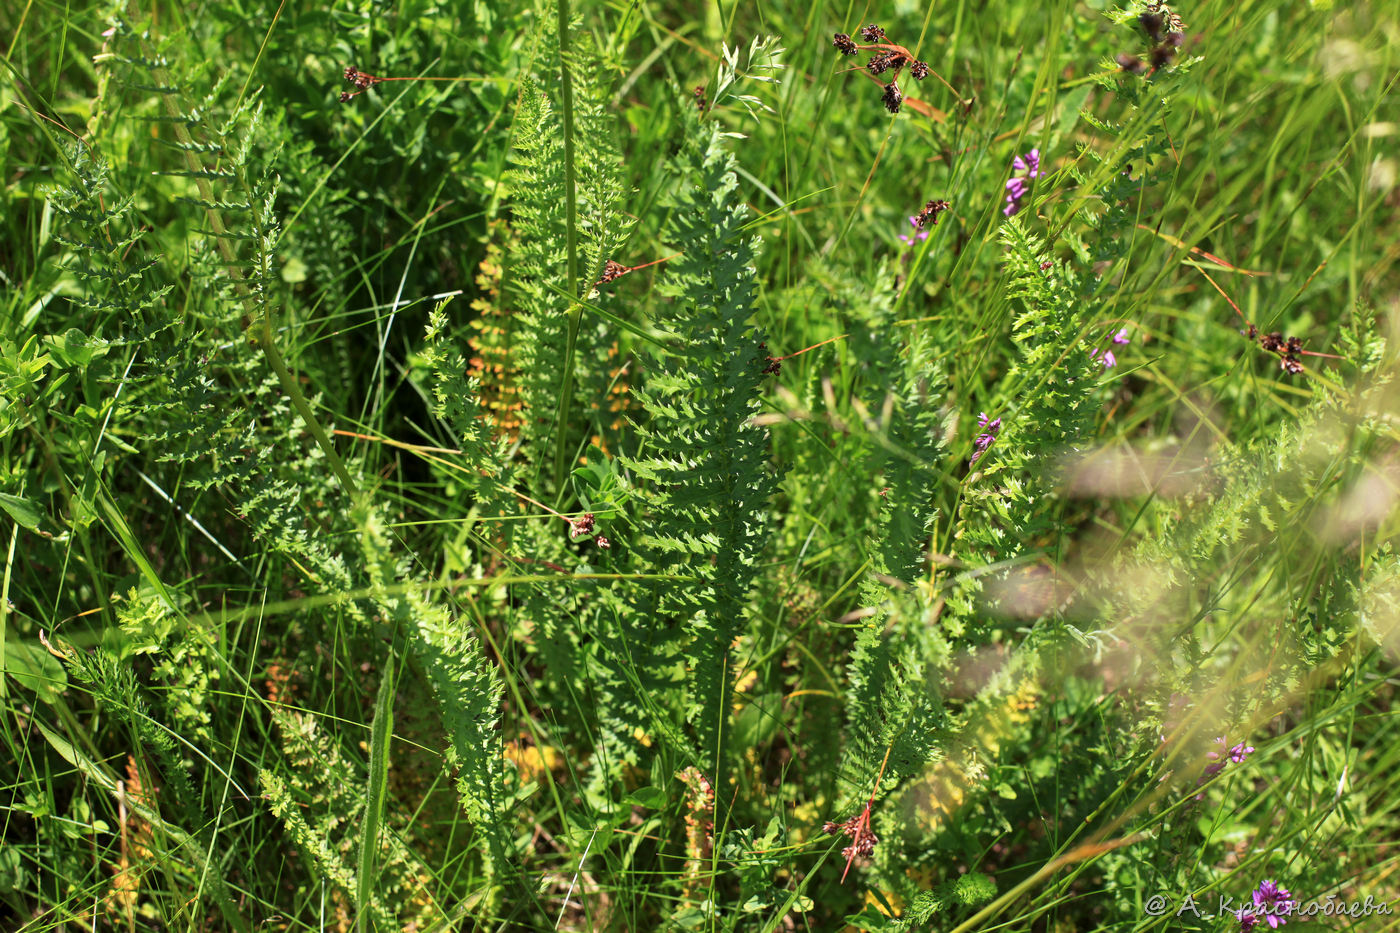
1218	762
1107	358
1028	167
921	235
1223	754
1248	919
990	430
1121	337
1274	902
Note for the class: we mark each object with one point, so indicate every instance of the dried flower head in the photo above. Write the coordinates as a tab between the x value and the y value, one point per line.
1132	64
581	526
886	56
892	97
1161	55
1154	24
1289	349
363	81
880	63
929	215
1165	32
863	840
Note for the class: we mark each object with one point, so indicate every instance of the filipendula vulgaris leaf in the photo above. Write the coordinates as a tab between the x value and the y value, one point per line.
467	685
1010	504
893	701
537	270
705	463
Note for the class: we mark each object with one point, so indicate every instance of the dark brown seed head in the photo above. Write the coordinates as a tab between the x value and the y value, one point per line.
844	44
919	70
1152	24
892	97
929	215
872	33
1132	64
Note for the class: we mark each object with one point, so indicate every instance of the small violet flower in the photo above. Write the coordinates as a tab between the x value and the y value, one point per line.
921	235
1224	753
1017	185
1273	902
1107	357
990	430
1248	919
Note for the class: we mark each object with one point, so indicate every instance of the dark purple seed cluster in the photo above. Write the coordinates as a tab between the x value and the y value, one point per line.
1288	349
892	98
612	270
772	365
1165	30
857	828
579	527
885	61
928	217
362	81
886	58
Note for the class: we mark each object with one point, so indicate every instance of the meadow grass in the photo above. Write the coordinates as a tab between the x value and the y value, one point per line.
633	466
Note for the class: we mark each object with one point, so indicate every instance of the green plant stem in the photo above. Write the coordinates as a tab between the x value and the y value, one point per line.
566	389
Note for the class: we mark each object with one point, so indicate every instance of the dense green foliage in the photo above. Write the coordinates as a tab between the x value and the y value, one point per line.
561	487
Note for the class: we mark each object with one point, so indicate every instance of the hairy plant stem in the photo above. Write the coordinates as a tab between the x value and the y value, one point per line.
566	388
